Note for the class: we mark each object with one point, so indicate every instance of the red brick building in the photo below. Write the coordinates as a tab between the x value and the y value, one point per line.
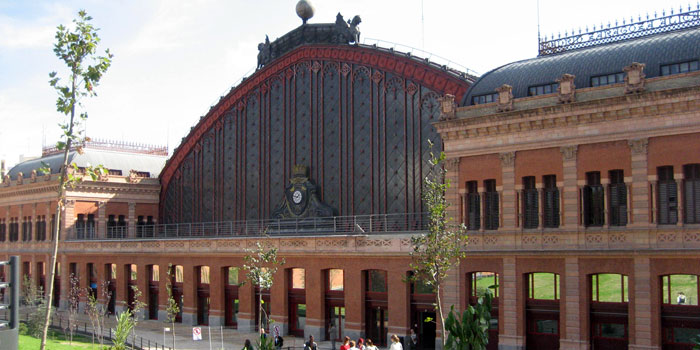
577	174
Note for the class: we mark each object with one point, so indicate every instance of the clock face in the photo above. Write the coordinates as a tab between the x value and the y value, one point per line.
296	197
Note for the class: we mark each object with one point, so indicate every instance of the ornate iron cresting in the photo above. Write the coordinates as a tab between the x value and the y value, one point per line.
643	27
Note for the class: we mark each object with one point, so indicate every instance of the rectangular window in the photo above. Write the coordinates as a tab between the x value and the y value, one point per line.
204	274
667	196
376	281
473	206
335	280
551	201
491	205
482	99
593	196
607	79
691	188
298	278
678	68
232	276
543	89
155	273
179	274
617	198
530	203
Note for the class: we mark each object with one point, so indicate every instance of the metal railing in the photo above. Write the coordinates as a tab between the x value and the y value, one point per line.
117	231
85	232
337	225
11	321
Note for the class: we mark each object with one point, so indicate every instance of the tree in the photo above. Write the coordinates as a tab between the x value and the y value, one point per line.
125	323
137	309
97	311
261	264
173	308
437	251
469	330
74	294
74	47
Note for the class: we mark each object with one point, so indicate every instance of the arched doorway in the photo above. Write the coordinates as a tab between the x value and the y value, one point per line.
177	276
131	271
297	301
542	310
231	296
680	312
478	283
153	280
423	318
609	311
111	285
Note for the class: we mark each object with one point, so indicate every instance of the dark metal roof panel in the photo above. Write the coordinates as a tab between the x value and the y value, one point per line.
585	63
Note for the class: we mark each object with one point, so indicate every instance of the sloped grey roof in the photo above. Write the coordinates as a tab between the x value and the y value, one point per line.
653	50
91	157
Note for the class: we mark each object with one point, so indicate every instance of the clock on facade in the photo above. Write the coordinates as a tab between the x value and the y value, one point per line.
296	197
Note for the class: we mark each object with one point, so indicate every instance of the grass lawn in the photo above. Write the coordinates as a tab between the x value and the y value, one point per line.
56	341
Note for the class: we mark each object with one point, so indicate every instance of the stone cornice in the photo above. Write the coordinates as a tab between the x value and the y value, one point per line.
643	105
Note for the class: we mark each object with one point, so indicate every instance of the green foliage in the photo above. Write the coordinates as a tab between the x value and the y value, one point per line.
437	251
469	330
125	323
23	329
265	343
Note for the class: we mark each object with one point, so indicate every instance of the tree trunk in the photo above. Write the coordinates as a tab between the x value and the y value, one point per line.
59	208
260	311
173	335
442	319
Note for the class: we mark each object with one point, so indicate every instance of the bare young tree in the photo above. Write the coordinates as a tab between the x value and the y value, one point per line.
261	264
439	250
75	47
173	308
74	295
97	312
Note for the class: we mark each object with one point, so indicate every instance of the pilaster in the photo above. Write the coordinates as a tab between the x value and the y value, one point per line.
509	339
573	339
640	189
570	189
216	296
507	215
101	220
131	220
641	338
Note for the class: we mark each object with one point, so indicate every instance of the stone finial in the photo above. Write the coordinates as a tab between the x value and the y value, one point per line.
304	10
507	159
32	177
448	107
635	77
6	180
567	88
133	176
20	178
505	98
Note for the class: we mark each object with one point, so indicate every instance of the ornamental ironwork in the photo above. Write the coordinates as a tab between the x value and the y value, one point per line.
682	19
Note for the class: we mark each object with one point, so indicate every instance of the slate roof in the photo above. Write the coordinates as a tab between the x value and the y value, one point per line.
654	51
112	160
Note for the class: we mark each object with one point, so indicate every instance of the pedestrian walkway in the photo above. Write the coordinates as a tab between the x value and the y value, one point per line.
221	338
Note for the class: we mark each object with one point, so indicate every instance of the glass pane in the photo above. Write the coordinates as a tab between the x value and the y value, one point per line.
694	65
544	286
684	289
134	272
377	281
298	278
335	279
612	330
664	282
422	288
483	280
685	335
546	326
232	276
179	274
204	274
234	316
113	271
595	81
594	288
155	273
493	323
625	286
301	316
610	288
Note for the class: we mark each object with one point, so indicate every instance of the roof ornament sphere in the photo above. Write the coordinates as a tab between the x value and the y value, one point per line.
304	10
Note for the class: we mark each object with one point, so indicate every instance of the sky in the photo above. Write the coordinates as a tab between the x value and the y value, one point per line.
173	59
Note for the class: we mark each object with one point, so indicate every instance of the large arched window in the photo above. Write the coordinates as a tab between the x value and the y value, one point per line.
609	287
679	310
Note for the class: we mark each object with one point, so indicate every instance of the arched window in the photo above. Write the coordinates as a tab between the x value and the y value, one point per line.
609	287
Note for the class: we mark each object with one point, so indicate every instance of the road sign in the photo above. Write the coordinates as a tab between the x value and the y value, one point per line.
196	333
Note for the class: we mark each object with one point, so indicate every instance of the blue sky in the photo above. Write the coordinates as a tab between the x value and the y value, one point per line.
173	59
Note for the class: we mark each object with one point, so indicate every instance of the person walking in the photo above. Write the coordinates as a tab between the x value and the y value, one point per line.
414	339
352	345
360	344
370	345
346	343
279	341
247	345
395	343
311	344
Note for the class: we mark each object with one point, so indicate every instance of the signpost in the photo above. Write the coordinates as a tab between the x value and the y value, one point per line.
196	333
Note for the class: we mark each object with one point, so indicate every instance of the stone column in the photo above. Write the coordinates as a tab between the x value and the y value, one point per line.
606	204
574	339
20	223
540	205
399	304
681	197
64	277
315	305
509	339
189	290
163	281
67	220
508	194
482	209
644	324
570	189
142	285
34	232
452	193
640	184
101	220
279	301
131	221
246	308
217	279
355	295
122	287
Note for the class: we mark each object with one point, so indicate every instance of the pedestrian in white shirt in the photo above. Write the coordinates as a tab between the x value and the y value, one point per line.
395	343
